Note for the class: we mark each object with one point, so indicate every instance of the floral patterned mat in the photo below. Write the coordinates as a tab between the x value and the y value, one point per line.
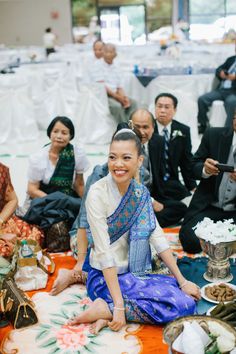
52	335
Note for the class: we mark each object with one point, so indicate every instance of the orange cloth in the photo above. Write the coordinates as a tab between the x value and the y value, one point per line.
150	337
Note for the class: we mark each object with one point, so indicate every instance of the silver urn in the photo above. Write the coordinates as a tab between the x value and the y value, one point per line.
218	267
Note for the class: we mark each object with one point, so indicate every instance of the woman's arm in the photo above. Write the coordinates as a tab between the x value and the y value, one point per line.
159	242
34	191
82	244
111	278
79	184
187	286
10	206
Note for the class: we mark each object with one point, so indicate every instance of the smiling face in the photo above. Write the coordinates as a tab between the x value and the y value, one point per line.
123	162
164	110
142	121
60	135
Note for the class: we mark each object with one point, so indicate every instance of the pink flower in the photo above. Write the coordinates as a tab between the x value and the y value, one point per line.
71	337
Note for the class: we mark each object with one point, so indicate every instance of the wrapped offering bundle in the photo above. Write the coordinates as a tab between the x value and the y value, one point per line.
200	335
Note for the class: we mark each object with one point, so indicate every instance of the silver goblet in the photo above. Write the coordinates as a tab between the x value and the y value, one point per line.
218	266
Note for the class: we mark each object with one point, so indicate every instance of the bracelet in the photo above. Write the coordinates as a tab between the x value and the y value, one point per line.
185	282
119	308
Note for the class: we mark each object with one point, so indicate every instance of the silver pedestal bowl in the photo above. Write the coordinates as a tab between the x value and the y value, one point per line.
218	267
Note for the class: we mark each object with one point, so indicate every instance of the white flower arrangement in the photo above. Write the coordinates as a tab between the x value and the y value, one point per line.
176	133
216	232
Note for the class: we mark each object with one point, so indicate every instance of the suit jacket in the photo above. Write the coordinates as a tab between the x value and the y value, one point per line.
215	144
180	154
225	66
156	151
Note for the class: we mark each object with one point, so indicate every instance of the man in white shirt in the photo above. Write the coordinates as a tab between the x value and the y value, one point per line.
94	71
215	196
49	40
121	106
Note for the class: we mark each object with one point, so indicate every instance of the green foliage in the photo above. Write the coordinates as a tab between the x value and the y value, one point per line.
82	11
158	12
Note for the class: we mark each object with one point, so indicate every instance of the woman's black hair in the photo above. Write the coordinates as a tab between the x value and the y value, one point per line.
128	136
65	121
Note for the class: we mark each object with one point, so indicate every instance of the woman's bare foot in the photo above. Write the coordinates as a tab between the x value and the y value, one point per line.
96	311
98	325
65	278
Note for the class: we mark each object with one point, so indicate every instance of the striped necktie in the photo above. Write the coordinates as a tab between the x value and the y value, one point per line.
166	154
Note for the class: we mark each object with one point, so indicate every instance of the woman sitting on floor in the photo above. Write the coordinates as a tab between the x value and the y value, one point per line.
10	223
123	225
56	182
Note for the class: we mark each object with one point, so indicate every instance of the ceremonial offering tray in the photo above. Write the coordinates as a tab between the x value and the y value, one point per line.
207	328
218	241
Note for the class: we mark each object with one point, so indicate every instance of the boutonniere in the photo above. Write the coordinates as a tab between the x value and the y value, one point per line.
176	133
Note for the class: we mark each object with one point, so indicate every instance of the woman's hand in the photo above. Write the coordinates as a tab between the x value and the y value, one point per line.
191	289
118	320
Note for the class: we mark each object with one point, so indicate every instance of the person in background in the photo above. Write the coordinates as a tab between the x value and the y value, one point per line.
49	41
55	177
123	225
121	106
98	49
215	196
9	222
168	210
94	71
226	91
177	149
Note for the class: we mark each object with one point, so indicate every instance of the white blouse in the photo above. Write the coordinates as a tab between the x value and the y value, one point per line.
102	200
41	169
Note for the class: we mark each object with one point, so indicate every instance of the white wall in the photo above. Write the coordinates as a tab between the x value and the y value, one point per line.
22	22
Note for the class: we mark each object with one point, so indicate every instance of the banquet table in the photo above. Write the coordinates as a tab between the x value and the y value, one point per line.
193	85
55	85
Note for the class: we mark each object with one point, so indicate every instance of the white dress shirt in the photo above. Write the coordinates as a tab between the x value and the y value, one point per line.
162	127
41	169
112	77
102	200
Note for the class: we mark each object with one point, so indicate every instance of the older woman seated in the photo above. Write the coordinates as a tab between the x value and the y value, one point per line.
56	182
10	223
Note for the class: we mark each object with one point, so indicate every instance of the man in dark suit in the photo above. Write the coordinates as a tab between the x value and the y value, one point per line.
215	196
226	91
177	149
168	211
